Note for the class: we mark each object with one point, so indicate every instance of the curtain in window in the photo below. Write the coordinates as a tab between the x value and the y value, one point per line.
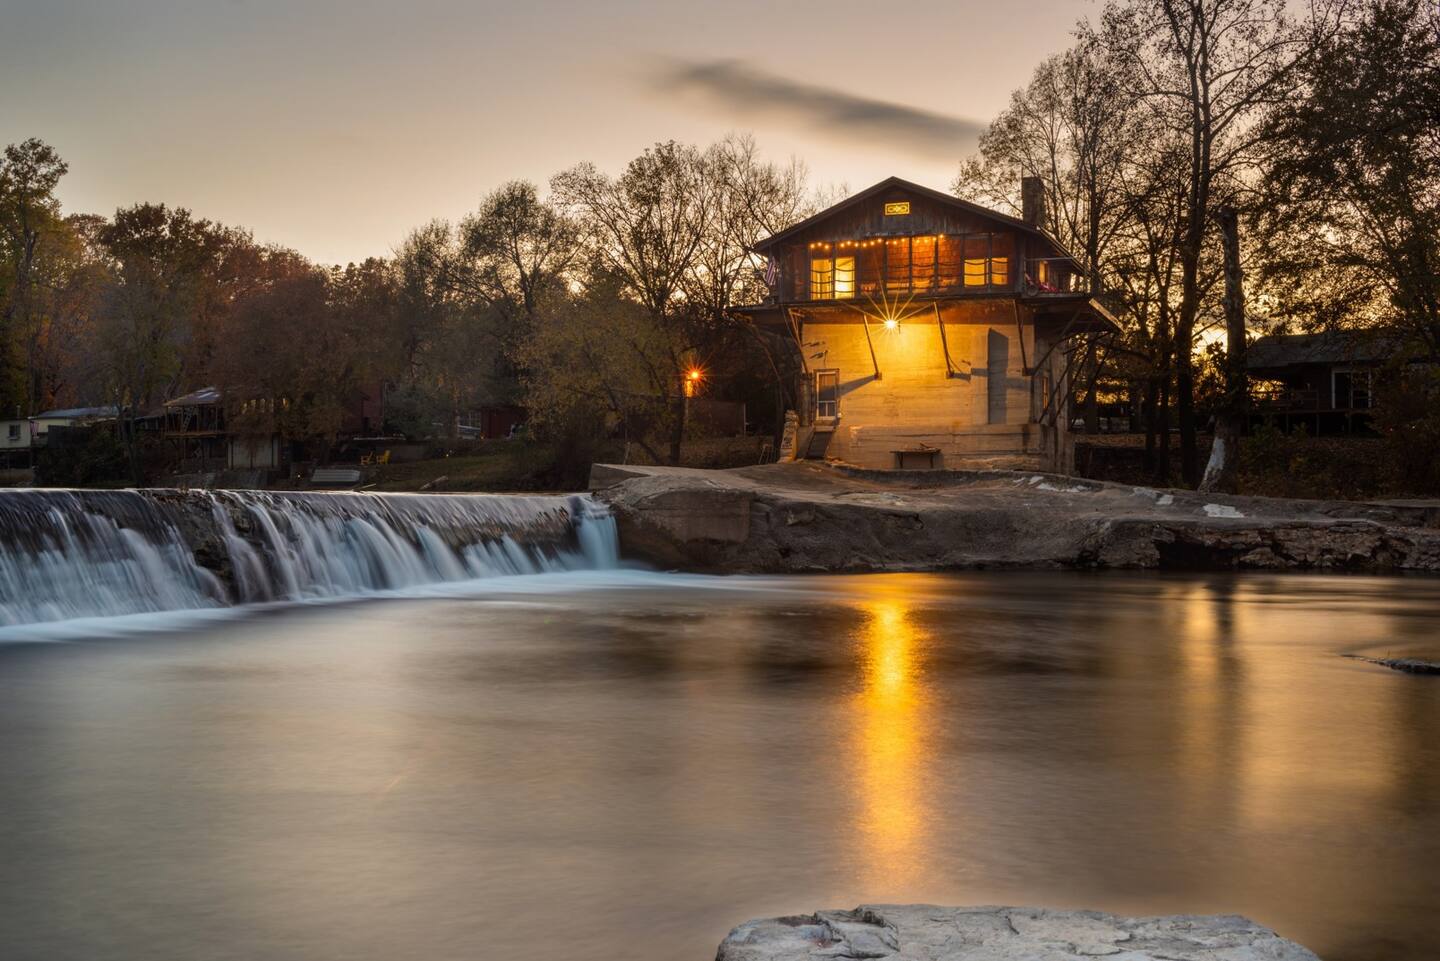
897	264
977	252
1002	248
947	270
922	262
822	272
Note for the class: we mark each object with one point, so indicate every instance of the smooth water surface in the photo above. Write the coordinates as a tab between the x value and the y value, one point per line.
624	771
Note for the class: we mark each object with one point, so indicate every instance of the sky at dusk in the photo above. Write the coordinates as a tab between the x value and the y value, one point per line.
336	126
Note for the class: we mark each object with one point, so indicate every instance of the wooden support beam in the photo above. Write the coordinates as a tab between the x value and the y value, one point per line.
1020	332
870	343
950	370
799	344
1064	335
1061	388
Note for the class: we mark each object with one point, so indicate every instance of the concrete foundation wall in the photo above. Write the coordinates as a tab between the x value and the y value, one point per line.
983	413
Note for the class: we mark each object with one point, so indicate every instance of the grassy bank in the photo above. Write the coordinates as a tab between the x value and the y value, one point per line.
511	466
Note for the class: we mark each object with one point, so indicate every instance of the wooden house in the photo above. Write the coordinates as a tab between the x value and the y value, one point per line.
1323	381
931	332
197	424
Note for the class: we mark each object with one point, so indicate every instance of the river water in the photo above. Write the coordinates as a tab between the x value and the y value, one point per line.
624	765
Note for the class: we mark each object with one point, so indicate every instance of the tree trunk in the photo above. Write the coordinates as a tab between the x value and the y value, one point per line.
1185	404
677	435
1150	415
1092	401
1222	470
1162	466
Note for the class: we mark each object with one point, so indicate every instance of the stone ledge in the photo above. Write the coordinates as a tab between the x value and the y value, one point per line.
922	932
807	517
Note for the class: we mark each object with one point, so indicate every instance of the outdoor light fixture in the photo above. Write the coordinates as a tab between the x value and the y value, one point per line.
693	375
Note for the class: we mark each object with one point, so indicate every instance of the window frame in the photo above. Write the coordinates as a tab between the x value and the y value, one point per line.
886	265
835	403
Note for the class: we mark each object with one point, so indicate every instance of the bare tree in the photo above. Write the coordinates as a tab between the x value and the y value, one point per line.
1208	69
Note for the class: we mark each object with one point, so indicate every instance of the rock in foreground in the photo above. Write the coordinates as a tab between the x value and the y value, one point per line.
922	932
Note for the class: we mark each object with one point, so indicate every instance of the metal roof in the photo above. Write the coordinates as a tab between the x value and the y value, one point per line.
196	398
77	413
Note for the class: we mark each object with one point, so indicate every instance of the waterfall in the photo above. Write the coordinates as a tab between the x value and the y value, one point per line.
72	554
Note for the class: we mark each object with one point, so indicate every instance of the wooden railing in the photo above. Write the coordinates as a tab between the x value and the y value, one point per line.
1285	398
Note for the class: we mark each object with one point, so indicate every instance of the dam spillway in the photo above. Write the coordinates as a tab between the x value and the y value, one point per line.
68	554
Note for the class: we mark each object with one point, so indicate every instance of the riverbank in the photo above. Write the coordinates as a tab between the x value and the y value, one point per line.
923	932
812	517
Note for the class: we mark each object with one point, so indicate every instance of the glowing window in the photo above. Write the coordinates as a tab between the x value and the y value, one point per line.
948	258
844	277
897	264
922	262
1001	246
822	278
977	252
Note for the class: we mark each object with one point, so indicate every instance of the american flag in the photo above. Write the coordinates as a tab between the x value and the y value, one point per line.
772	271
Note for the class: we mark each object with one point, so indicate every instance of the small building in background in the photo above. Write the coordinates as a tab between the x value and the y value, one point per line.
15	442
197	425
489	422
931	332
41	423
1323	381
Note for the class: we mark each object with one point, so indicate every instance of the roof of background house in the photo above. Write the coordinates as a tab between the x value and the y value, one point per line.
77	413
1327	347
205	395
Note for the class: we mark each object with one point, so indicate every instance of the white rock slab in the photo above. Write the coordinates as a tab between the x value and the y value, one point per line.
922	932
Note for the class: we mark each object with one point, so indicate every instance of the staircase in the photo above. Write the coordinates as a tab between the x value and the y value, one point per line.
819	441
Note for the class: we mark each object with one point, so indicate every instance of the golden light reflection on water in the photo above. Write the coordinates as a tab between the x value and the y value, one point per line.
891	728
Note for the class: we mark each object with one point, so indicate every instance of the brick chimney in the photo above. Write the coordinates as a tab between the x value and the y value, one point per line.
1032	202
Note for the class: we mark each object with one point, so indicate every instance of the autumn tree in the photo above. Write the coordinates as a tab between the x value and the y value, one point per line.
1353	182
454	337
30	224
163	264
515	247
643	232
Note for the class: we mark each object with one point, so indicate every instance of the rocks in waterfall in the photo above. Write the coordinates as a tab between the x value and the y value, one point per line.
922	932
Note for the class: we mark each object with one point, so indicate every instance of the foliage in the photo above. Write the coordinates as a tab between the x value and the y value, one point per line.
82	457
1407	415
599	352
1353	188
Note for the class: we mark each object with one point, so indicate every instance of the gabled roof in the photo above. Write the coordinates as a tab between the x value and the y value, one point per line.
196	398
891	183
1326	347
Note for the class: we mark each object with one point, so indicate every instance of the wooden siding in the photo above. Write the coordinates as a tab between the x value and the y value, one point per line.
927	218
983	412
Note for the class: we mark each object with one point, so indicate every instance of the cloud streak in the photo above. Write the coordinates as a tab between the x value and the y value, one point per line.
740	89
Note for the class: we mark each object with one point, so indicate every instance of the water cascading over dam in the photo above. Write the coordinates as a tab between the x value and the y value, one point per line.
71	554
